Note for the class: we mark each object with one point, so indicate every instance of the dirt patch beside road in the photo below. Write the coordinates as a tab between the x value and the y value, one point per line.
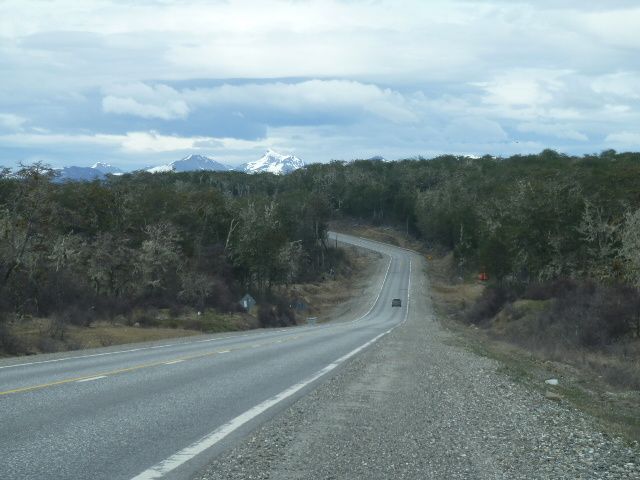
339	296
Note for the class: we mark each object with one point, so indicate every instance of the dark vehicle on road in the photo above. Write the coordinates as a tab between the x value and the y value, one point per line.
396	302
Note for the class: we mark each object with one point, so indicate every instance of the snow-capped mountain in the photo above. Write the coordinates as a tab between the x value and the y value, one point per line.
273	162
106	168
191	163
97	171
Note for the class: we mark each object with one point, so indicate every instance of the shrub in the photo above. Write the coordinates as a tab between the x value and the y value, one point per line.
548	290
9	343
144	318
590	316
493	298
76	316
57	327
50	345
279	315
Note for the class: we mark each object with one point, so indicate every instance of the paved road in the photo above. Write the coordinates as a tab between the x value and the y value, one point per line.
163	411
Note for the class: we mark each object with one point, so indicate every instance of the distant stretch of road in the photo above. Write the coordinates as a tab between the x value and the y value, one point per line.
164	410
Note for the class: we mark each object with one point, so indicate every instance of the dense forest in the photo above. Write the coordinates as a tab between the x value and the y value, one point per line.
202	239
77	251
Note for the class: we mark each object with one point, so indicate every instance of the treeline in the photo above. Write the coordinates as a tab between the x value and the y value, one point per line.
204	238
77	250
526	218
542	227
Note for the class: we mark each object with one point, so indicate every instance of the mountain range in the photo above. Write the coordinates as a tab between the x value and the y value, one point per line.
271	161
96	171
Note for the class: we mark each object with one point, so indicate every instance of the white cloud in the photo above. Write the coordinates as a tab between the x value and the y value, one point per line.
302	98
523	87
153	142
9	121
410	76
131	142
620	84
553	130
129	106
624	140
141	100
475	130
323	96
55	140
618	26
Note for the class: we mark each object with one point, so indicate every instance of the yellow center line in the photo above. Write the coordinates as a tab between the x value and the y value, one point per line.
111	372
141	366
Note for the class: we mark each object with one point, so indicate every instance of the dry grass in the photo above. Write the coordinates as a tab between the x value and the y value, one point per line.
105	335
323	298
390	235
33	336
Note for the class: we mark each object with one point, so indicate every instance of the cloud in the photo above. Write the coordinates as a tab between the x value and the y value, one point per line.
129	106
131	142
475	130
141	100
553	130
624	140
523	87
149	79
154	142
315	98
9	121
618	26
623	85
312	96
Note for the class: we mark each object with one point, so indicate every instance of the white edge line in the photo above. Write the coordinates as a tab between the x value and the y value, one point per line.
208	441
176	460
91	379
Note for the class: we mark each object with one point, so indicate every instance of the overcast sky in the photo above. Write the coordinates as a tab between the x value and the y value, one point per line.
143	82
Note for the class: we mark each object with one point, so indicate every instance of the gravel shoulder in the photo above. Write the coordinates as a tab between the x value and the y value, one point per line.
417	406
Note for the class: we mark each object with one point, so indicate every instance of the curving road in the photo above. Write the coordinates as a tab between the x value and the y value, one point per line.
164	410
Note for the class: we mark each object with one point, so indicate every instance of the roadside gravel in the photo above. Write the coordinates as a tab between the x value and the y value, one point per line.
414	407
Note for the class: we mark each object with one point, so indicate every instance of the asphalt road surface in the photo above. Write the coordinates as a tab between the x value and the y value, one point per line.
164	410
419	405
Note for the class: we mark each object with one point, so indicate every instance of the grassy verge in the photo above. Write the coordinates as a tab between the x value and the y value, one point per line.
579	373
46	335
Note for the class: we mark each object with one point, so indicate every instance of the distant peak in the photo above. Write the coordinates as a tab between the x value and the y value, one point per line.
190	163
272	153
105	168
195	156
273	162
